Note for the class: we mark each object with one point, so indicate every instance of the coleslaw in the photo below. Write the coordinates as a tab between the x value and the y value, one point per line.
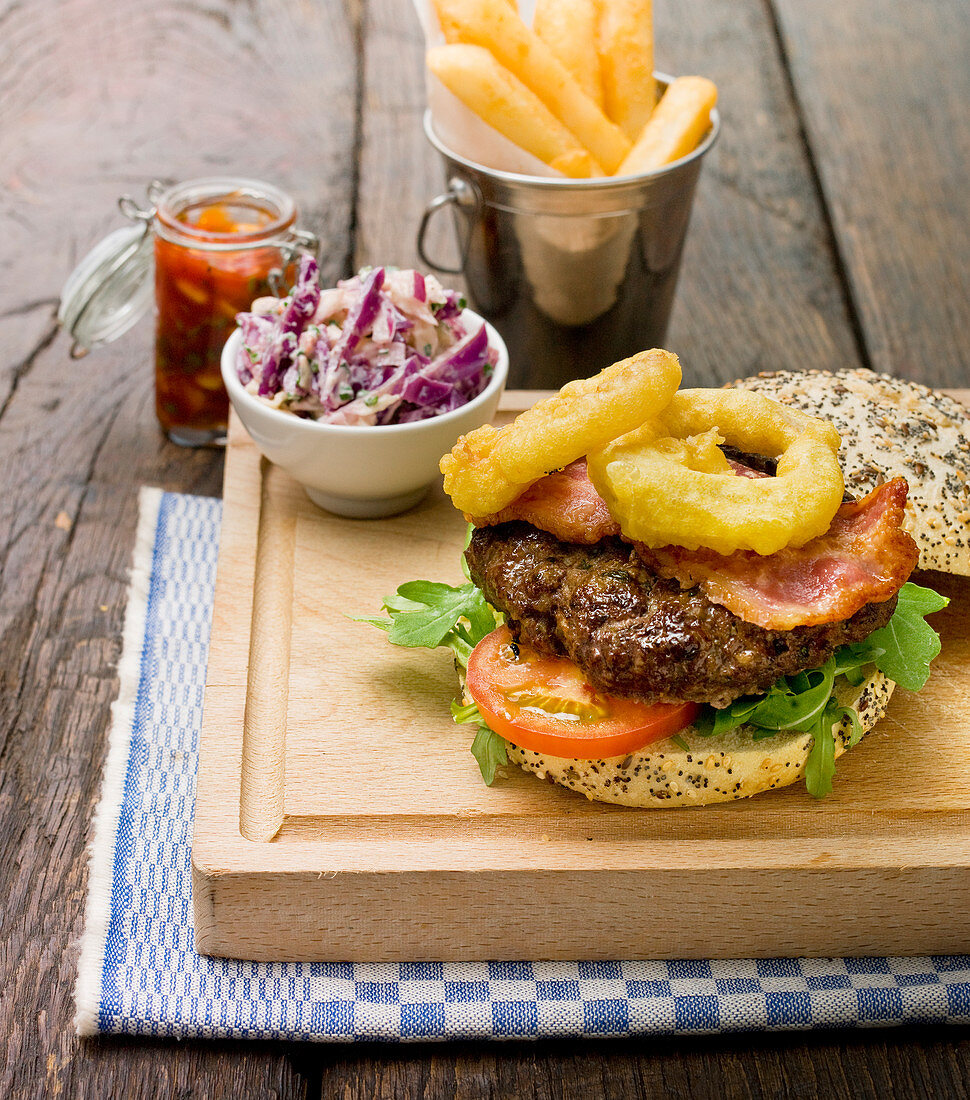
387	346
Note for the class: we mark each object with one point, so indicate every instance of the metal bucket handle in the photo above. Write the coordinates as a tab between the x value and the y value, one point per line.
462	194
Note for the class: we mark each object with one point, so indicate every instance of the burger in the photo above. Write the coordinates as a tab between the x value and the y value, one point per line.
657	641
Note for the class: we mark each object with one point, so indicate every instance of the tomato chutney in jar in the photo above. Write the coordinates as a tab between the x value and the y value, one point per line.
217	242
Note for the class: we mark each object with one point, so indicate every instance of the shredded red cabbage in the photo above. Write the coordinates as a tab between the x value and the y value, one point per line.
385	347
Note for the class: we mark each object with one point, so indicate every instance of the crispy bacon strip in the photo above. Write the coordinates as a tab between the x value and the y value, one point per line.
564	503
745	471
863	558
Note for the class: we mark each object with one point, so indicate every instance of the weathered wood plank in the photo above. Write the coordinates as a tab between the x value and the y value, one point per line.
94	106
758	287
910	1063
884	89
399	171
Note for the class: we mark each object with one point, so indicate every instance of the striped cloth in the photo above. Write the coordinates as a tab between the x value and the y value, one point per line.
138	973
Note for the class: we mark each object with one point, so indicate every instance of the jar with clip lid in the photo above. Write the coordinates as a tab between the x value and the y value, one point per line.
203	250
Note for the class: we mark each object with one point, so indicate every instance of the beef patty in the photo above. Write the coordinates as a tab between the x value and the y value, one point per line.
634	633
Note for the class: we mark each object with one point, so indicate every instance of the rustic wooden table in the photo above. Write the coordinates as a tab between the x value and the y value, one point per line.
832	228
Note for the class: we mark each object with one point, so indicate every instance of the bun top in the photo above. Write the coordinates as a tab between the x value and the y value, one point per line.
892	427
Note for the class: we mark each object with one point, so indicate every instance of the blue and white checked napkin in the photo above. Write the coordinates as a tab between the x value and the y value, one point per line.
138	973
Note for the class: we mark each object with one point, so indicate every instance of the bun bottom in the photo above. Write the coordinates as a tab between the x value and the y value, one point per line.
716	769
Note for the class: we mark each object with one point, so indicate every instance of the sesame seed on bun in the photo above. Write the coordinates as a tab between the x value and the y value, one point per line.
893	427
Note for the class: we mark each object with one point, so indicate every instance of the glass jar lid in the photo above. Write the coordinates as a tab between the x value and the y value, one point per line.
113	286
110	289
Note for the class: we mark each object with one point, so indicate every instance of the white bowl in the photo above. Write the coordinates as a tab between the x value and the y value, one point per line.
362	471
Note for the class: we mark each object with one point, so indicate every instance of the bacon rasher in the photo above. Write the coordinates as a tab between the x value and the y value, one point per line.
564	503
863	558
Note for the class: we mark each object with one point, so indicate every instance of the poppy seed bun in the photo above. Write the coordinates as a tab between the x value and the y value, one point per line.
889	427
716	769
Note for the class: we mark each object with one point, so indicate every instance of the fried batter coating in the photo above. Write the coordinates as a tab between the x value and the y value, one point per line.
490	467
666	484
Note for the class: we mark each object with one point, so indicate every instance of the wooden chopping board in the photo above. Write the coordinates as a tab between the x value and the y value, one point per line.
340	815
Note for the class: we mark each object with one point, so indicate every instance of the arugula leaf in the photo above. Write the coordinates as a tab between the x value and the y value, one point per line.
903	650
711	722
431	610
857	731
820	765
488	748
908	642
469	531
481	618
850	658
463	713
786	709
431	614
490	752
398	603
373	620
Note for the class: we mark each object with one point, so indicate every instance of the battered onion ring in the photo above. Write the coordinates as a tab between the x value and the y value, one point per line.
489	468
664	486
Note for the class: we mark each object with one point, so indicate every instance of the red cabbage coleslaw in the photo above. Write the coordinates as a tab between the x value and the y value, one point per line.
387	346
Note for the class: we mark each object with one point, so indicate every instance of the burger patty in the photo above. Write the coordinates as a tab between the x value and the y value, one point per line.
634	633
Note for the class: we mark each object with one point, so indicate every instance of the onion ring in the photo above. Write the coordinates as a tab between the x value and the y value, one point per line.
666	483
490	467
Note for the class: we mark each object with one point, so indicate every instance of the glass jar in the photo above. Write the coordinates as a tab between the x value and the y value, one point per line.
214	244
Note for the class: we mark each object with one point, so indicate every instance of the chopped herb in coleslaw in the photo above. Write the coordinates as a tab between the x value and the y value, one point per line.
387	346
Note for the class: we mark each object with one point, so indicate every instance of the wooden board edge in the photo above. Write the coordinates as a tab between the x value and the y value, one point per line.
227	670
232	902
597	915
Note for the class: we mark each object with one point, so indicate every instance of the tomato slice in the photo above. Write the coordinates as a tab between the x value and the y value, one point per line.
546	704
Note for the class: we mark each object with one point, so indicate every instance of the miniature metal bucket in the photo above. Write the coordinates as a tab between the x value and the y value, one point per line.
574	274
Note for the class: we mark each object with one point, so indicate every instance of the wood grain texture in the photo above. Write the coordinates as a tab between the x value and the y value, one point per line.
911	1062
884	88
428	863
95	104
94	101
267	665
758	288
399	172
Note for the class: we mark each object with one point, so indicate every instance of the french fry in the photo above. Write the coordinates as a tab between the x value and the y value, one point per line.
577	164
569	29
495	26
505	103
625	43
678	123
